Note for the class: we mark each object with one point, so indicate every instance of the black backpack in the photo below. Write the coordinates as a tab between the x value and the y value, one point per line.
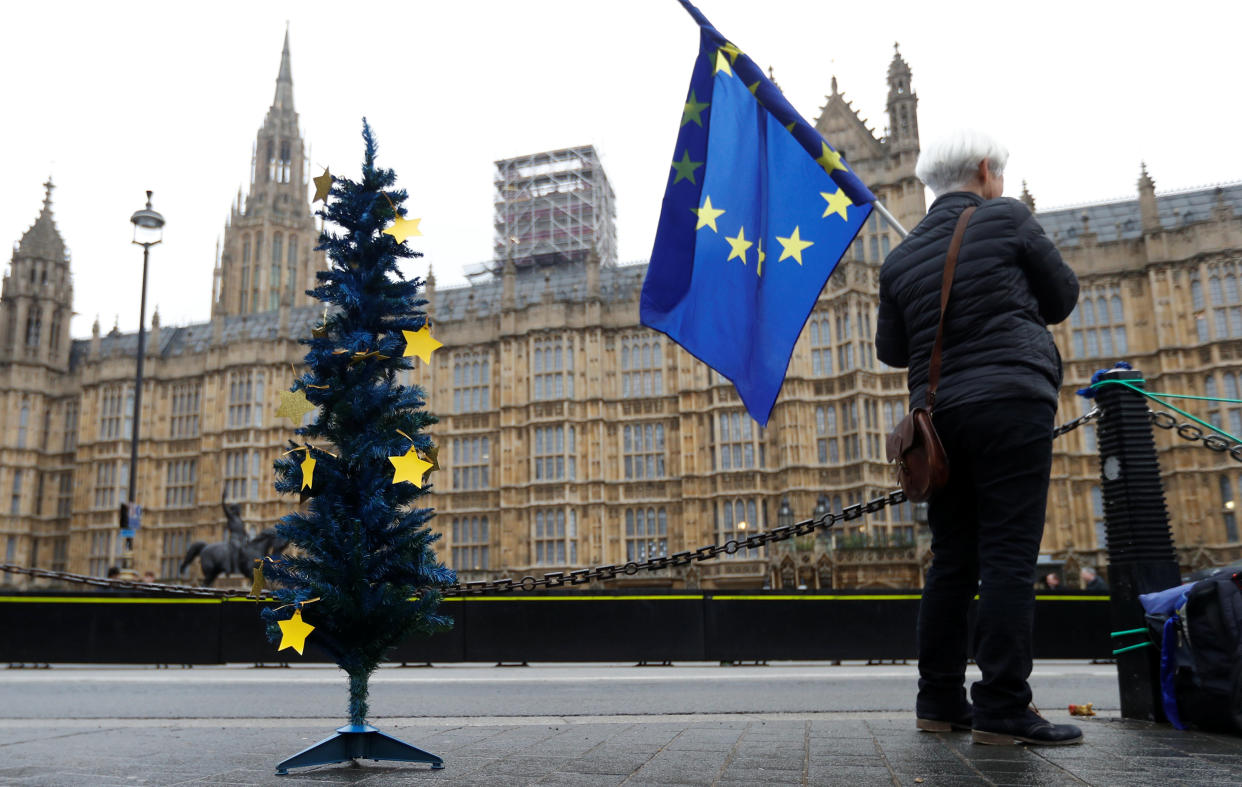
1208	677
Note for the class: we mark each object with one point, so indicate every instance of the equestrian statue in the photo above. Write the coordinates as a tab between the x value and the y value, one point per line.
236	555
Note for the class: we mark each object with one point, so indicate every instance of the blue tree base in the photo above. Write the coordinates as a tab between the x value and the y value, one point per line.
357	742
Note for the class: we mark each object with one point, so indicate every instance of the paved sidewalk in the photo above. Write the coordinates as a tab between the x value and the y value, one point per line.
724	749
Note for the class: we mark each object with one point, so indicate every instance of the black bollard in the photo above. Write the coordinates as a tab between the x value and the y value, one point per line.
1141	556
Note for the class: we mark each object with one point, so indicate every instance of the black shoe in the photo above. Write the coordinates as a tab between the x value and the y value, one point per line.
1029	727
962	721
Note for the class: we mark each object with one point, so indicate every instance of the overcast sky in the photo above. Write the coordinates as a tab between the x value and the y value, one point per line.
116	98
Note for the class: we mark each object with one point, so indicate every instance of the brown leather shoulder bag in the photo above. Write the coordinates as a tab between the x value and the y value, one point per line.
922	465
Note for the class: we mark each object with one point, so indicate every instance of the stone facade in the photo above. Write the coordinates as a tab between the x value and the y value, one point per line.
569	434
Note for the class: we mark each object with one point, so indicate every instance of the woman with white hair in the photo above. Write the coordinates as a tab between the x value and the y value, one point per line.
993	409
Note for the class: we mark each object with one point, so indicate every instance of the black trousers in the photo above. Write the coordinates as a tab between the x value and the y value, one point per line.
986	528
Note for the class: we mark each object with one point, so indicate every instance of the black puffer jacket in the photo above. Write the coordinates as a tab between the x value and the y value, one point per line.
1011	283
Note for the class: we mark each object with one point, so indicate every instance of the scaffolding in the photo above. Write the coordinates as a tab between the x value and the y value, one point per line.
554	208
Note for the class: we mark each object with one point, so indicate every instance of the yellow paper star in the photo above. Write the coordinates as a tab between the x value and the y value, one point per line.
409	467
323	185
693	111
730	50
403	228
829	159
793	246
308	470
433	453
722	64
707	215
256	587
739	245
420	343
762	257
685	168
294	405
838	203
294	631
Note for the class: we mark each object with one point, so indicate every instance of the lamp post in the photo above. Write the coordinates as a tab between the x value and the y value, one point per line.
821	508
148	231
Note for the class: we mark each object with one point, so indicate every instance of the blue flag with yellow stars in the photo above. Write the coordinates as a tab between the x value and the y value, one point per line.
758	210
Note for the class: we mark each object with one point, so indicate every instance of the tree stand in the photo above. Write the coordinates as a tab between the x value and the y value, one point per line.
357	742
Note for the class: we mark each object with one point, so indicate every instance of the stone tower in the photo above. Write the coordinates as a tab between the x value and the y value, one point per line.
37	405
267	257
37	299
903	119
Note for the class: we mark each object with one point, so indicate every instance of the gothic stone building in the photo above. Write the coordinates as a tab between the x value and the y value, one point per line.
570	435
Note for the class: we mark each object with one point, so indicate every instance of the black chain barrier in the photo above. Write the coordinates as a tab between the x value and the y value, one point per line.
1196	434
604	573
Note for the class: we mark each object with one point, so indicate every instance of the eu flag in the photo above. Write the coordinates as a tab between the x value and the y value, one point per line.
758	211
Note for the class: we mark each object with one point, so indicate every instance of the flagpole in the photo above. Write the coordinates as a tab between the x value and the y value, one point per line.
892	220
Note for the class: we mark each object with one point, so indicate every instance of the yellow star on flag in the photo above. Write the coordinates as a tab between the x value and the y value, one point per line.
731	50
707	215
308	470
294	631
722	64
409	467
838	203
403	228
793	246
693	111
420	343
739	245
790	126
685	168
829	159
323	185
762	257
754	89
294	405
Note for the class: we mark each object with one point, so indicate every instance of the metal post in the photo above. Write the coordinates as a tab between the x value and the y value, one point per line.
1141	555
128	556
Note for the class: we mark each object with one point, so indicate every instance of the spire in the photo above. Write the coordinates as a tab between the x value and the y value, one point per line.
1027	198
43	239
903	118
284	80
1148	210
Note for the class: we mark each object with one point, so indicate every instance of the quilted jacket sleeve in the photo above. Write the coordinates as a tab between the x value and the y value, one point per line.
891	346
1054	284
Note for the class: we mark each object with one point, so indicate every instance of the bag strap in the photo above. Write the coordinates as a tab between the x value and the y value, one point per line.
950	265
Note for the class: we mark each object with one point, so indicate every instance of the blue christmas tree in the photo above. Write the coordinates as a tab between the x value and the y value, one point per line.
363	571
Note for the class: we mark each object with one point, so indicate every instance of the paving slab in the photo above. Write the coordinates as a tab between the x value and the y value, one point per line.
795	749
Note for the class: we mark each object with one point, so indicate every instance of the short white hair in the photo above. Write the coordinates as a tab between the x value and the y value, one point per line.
949	163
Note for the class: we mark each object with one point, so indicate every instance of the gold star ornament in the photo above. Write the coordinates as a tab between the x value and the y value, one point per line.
294	631
403	228
256	587
420	343
323	185
294	405
308	470
409	467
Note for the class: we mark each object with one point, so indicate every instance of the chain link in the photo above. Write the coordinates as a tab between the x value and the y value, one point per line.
528	583
1196	434
1070	426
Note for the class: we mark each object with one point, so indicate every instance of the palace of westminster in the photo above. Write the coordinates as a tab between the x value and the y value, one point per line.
569	434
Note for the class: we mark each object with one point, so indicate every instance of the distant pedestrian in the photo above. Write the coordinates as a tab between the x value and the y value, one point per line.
148	577
1000	375
1091	581
114	572
1052	580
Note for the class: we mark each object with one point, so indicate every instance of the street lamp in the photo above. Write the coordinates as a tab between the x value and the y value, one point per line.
785	517
821	510
148	231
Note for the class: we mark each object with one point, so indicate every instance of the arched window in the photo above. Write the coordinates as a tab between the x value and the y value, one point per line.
1088	312
1196	293
1218	295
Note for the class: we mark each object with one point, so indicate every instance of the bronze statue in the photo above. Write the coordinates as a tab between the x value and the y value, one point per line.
236	555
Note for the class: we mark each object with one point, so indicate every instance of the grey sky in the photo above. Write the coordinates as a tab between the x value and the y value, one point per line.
117	98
